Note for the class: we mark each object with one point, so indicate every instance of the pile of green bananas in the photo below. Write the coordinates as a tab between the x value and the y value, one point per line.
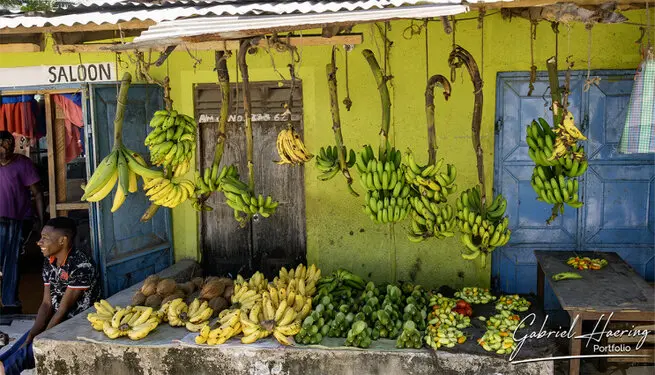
483	228
340	277
327	161
169	192
428	181
242	201
172	142
121	167
553	189
386	197
556	155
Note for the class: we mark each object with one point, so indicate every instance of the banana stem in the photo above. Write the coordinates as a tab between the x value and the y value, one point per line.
429	112
331	70
458	57
243	50
121	101
555	93
385	100
224	82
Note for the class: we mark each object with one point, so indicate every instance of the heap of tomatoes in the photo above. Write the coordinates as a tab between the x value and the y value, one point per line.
463	308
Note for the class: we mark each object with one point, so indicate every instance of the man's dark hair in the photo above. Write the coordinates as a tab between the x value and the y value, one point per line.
64	225
7	136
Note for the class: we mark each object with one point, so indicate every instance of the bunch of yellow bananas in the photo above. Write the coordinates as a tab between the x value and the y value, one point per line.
257	282
245	297
198	315
177	312
135	322
121	167
267	318
301	280
172	142
230	326
169	192
291	148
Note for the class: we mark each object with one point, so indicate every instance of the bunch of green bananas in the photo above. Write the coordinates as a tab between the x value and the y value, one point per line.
552	188
386	197
169	192
243	202
291	148
547	148
327	161
121	167
430	219
428	181
211	179
483	229
172	143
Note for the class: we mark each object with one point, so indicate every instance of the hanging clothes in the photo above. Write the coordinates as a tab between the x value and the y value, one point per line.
17	115
71	106
639	131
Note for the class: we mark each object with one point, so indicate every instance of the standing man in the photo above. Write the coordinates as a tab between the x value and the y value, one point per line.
70	278
18	177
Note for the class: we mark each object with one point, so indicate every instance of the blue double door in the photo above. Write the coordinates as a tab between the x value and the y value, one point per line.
126	250
618	190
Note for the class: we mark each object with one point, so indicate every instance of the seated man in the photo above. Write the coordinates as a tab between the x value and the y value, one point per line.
70	278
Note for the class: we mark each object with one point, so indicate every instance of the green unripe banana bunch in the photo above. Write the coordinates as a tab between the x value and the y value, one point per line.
553	189
327	161
172	142
549	148
120	168
238	197
429	219
386	199
210	181
428	181
169	192
482	229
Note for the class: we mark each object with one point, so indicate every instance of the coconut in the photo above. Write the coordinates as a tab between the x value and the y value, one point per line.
212	289
209	279
198	282
166	287
153	279
188	287
228	292
226	281
218	304
153	301
138	299
149	288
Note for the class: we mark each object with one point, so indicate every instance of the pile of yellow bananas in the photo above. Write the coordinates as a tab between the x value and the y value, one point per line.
291	148
229	326
172	142
193	316
135	322
301	280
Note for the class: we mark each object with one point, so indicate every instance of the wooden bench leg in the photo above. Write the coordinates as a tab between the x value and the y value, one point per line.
575	345
540	284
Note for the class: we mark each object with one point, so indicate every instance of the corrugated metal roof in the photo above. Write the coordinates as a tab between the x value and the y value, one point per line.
231	27
115	11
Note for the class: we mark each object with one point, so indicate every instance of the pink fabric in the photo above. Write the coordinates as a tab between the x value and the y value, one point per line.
74	120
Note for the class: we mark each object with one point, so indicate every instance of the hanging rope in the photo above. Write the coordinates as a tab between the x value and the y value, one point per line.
453	70
481	16
427	51
533	67
346	101
589	81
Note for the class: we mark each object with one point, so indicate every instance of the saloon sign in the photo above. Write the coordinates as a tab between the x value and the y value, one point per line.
57	74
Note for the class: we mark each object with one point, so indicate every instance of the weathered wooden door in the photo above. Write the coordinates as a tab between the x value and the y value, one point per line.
266	244
128	250
618	190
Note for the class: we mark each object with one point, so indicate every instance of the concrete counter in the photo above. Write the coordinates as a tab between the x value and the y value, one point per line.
70	348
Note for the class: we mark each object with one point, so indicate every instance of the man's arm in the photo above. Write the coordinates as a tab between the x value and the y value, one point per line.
38	199
43	316
67	303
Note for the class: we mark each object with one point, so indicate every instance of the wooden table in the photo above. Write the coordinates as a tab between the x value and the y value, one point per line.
616	288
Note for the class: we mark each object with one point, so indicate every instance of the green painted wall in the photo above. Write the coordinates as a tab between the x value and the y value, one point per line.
338	233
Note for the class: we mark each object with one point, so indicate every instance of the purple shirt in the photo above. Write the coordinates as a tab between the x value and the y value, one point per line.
15	179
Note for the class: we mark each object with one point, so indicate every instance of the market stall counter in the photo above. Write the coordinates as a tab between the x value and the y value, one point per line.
74	347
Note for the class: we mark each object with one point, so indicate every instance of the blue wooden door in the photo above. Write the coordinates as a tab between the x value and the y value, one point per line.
128	250
617	189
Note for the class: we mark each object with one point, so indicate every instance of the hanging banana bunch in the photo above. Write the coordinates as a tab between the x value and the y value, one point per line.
483	228
327	161
290	147
172	142
122	166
